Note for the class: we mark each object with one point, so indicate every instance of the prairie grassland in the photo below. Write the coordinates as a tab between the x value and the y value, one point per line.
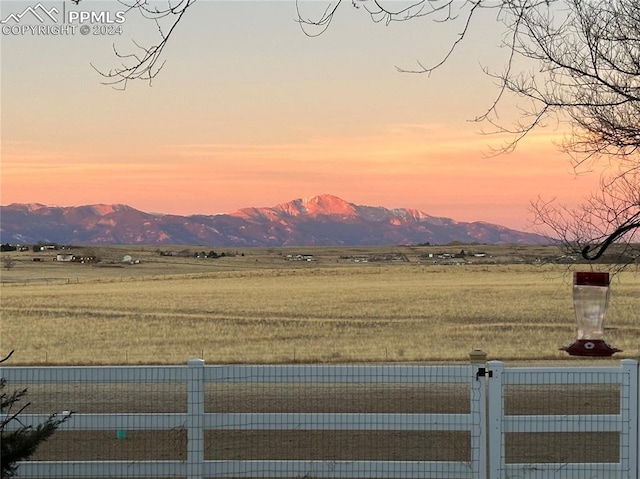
327	312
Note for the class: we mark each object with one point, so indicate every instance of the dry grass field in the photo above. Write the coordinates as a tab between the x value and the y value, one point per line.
260	305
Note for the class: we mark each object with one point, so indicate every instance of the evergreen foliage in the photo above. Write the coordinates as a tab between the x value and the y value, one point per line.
18	444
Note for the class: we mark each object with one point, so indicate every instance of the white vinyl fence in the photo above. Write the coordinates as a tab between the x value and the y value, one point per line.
344	421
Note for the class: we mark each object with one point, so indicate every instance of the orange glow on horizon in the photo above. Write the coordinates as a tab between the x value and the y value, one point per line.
429	168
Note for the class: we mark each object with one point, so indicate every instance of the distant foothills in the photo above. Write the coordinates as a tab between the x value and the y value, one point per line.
323	220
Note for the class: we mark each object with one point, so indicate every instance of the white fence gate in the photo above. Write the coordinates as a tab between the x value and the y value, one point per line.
576	385
496	431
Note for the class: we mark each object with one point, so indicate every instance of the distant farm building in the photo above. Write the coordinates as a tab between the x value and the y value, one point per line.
300	257
72	258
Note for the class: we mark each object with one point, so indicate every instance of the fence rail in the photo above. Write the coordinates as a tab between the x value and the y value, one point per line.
487	419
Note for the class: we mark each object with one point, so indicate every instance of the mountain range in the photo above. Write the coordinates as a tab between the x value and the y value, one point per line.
319	220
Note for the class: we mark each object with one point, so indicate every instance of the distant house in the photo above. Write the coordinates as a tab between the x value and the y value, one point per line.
67	258
300	257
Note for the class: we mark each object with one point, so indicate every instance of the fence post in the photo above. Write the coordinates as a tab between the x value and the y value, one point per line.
195	418
478	359
630	367
496	411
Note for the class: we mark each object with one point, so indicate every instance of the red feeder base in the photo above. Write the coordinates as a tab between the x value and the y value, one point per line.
590	347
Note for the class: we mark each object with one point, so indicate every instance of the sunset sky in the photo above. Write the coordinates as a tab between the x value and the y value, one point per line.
249	111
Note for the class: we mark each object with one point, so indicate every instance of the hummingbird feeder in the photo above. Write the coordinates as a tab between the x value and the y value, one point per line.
590	302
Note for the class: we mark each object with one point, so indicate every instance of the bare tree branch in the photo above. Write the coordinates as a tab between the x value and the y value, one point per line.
6	358
608	216
144	63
